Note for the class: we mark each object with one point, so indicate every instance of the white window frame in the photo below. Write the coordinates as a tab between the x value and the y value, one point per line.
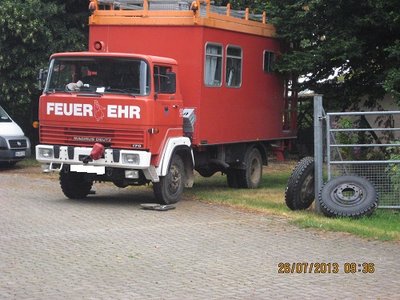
207	71
227	76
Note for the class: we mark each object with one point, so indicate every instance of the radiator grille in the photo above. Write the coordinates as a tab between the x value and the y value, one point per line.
16	144
86	137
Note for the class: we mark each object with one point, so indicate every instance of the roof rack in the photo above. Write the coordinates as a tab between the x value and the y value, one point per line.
178	12
168	5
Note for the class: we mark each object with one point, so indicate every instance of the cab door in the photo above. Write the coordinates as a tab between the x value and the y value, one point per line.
167	104
167	118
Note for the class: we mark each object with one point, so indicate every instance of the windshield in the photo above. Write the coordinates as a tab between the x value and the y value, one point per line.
98	75
3	116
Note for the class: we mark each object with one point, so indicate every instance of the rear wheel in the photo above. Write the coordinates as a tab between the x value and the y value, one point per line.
170	188
74	185
250	177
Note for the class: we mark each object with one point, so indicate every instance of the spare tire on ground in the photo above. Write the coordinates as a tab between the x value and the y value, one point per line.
348	196
299	192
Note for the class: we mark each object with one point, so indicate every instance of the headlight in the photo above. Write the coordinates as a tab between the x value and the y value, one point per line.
46	153
132	159
3	144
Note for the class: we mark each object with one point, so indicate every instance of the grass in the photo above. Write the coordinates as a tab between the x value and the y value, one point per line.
29	162
382	225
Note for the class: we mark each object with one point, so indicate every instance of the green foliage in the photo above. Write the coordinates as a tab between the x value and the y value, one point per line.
347	48
352	137
29	32
256	6
346	138
392	80
393	169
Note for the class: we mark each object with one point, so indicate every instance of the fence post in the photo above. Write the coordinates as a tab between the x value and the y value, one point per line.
318	148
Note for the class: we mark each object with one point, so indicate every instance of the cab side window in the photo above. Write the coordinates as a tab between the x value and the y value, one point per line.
164	80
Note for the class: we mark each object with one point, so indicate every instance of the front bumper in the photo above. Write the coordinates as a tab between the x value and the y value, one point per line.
11	155
113	158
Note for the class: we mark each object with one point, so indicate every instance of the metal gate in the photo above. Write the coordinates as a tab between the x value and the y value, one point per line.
366	144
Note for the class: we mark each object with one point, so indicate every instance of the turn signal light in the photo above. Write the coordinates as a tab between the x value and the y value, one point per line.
153	130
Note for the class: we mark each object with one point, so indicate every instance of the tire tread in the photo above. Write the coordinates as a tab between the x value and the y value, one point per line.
74	185
296	179
359	211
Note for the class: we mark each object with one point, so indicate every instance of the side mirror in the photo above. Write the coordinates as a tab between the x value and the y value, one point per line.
42	77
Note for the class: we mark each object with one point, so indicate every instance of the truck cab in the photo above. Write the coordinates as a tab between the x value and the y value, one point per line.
126	107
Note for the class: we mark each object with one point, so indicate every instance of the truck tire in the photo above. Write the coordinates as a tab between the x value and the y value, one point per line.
170	188
348	196
299	192
250	177
74	185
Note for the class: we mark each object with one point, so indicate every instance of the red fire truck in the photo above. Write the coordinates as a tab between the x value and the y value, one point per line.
165	88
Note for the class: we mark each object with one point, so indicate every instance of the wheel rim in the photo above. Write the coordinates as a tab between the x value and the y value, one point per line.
307	189
175	179
255	170
347	194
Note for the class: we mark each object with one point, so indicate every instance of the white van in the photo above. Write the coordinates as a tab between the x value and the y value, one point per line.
14	145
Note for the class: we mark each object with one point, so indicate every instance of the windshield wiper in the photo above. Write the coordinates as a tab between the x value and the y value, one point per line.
89	94
79	93
53	91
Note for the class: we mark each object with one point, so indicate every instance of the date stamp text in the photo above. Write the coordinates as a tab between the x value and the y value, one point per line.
325	268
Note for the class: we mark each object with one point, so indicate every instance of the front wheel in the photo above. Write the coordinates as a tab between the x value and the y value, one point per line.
170	188
74	185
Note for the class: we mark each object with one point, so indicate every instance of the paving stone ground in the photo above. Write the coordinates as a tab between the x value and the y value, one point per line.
107	247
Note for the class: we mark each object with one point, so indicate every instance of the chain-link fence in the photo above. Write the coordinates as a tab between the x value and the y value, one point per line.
367	144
